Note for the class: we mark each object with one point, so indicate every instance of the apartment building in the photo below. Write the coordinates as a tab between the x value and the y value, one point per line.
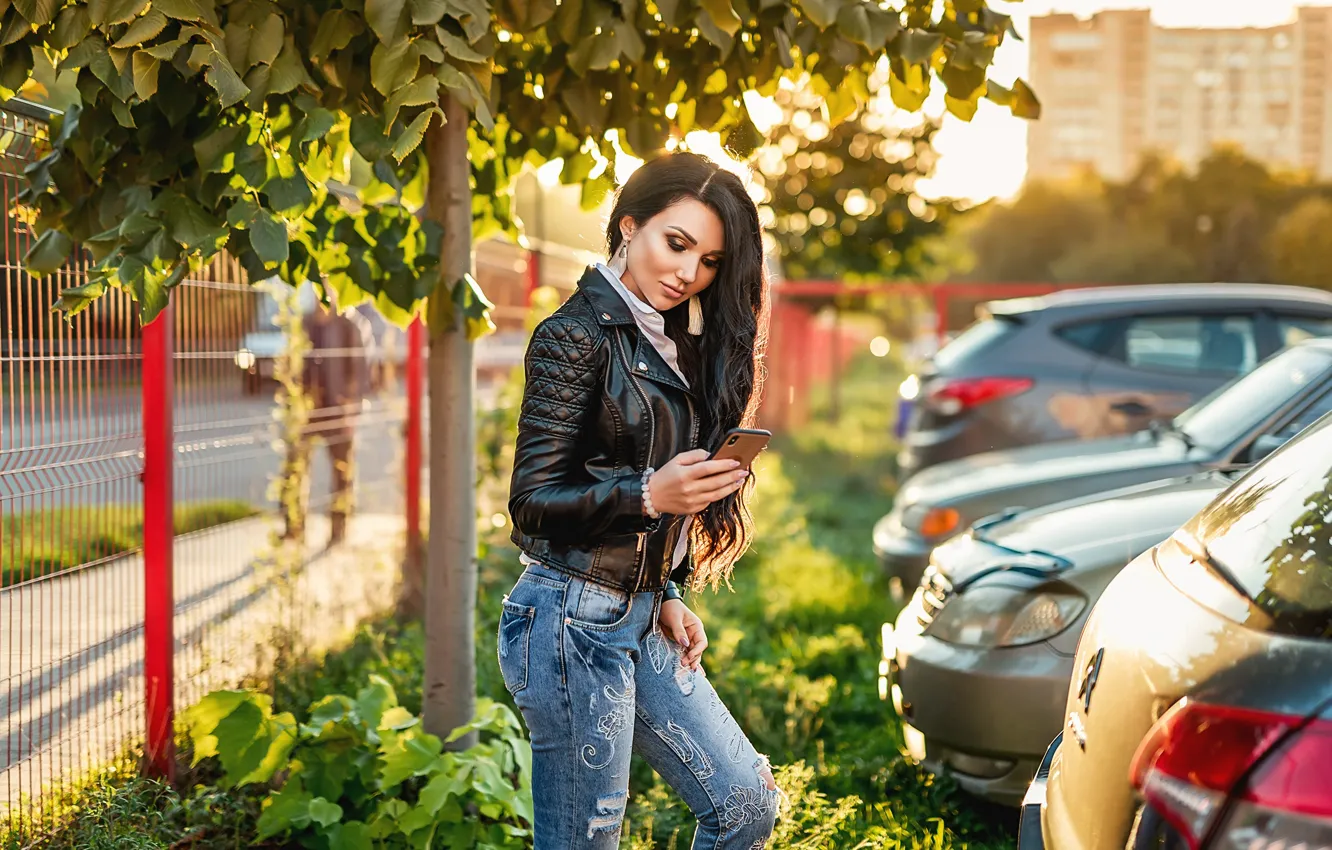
1116	85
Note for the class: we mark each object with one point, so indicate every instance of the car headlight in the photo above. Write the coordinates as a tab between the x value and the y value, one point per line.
1005	616
245	359
931	523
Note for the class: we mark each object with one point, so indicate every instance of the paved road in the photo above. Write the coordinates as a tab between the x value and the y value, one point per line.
71	648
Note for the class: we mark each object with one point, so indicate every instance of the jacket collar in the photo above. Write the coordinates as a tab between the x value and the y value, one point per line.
610	310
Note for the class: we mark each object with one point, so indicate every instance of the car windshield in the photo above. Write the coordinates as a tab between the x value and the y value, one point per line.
1230	413
1271	534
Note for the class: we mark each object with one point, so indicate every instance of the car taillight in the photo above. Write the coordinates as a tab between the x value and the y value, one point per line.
1198	755
952	396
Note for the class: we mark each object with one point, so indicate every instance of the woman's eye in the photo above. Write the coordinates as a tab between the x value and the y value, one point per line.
712	264
676	246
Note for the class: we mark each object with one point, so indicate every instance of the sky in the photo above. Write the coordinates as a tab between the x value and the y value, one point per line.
987	158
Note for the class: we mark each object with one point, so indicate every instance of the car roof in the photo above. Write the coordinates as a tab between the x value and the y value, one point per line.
1178	293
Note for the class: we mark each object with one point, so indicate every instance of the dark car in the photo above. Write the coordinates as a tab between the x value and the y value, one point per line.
1200	714
1234	426
1096	362
982	656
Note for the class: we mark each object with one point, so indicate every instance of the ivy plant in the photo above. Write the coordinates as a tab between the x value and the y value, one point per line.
362	773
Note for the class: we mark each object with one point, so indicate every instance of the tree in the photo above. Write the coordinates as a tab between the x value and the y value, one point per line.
1298	247
212	124
841	200
1024	240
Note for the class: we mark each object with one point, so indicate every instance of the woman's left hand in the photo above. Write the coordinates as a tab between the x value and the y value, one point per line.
685	628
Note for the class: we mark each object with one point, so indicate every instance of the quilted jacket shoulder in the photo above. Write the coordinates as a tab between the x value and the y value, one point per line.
565	362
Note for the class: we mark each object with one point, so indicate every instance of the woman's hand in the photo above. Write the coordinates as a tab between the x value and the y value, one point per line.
685	628
689	482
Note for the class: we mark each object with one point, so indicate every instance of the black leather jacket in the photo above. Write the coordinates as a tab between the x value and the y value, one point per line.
600	407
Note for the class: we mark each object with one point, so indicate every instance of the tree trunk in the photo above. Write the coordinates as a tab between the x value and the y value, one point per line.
450	585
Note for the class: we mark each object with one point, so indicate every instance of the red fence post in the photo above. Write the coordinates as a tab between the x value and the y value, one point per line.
158	533
415	391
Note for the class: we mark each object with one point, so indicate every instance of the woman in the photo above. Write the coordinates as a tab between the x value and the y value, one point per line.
615	504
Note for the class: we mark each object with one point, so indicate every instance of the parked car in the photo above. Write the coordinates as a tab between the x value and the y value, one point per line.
981	658
1201	713
1234	426
1092	363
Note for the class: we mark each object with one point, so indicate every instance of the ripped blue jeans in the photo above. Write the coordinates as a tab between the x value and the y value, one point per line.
596	680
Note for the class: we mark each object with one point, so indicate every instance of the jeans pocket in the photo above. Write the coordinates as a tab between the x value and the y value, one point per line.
515	637
597	607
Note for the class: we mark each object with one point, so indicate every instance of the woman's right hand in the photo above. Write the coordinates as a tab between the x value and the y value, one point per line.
689	482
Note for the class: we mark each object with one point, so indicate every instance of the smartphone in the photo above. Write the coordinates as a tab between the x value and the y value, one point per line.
742	444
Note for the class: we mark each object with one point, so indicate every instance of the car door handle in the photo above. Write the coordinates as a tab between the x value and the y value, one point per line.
1131	408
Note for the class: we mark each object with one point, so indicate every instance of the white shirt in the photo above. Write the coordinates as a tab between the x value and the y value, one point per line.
653	326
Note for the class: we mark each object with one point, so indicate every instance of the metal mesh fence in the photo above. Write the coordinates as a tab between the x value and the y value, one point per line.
256	570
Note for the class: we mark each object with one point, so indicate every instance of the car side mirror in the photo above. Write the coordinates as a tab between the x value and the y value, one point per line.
1264	446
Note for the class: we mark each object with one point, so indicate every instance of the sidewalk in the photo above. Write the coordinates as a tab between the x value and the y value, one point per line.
71	649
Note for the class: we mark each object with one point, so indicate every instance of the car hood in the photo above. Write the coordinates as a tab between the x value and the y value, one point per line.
1118	525
991	472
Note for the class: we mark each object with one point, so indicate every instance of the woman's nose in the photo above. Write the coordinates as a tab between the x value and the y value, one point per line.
688	272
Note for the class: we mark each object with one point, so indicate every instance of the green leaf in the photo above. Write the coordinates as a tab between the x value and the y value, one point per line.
76	299
419	93
266	41
318	122
353	835
332	708
289	193
145	74
71	26
37	12
427	13
964	109
723	15
242	213
285	810
182	10
367	137
336	30
389	19
393	66
48	253
190	226
1025	103
268	238
822	12
144	28
909	94
414	753
916	46
459	49
166	51
323	812
288	70
220	74
853	22
475	308
415	132
374	699
117	11
16	64
998	94
216	151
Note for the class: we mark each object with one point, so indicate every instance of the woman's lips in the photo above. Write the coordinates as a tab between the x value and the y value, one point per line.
671	291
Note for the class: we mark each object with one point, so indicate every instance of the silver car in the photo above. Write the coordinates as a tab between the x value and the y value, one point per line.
1200	715
1234	426
982	656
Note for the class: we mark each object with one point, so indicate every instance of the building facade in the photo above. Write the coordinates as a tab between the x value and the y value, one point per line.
1116	86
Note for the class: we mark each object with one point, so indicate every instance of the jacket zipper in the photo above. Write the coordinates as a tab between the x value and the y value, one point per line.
640	554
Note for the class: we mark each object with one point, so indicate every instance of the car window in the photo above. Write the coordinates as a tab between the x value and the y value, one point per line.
1306	417
1270	533
1235	410
1215	345
1098	337
978	337
1293	329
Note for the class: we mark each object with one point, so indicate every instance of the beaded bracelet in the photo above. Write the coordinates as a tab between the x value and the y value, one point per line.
647	495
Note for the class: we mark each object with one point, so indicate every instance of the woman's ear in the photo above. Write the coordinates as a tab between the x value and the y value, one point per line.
627	227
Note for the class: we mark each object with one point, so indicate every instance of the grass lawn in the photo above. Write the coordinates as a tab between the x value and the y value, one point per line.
38	543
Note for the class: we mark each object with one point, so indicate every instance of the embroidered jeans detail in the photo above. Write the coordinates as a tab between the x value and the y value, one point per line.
593	696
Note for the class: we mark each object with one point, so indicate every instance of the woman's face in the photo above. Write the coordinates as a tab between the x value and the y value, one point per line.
674	254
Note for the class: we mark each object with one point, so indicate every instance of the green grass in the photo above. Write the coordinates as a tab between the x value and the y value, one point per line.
38	543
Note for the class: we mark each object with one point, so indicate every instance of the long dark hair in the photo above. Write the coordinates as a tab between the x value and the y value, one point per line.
724	364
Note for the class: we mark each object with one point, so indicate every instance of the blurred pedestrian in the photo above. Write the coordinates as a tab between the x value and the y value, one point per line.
615	503
336	380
